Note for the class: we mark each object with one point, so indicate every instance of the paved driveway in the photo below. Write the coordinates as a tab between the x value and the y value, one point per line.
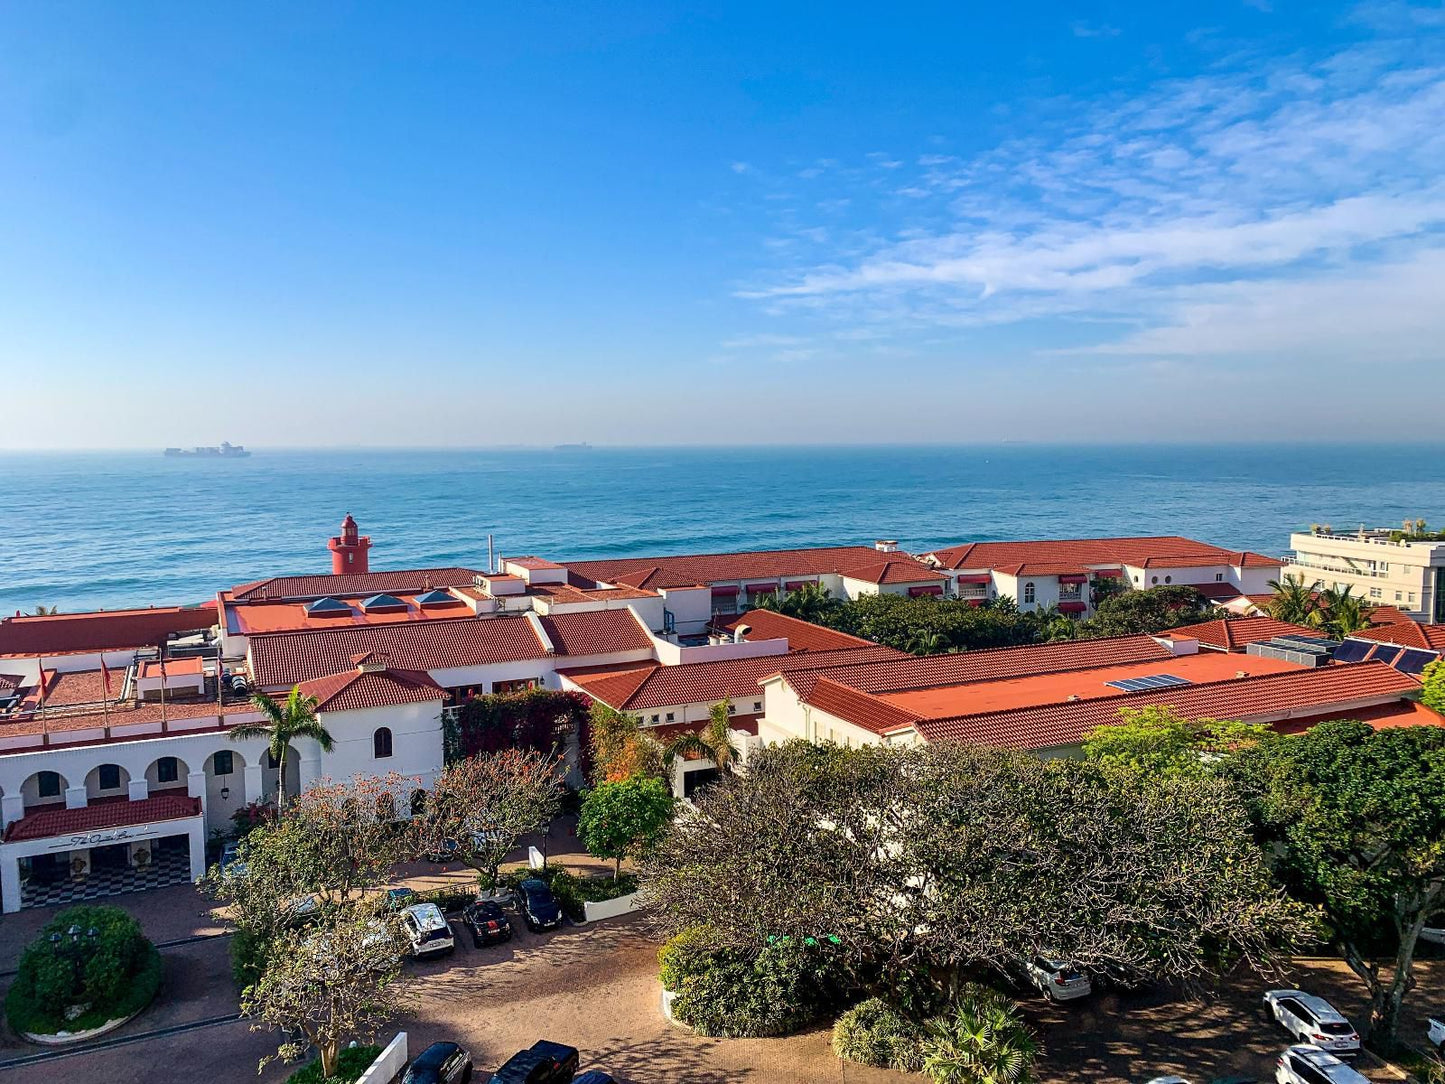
596	988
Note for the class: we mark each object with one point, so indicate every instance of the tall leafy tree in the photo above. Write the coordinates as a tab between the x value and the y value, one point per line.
1157	739
1432	690
625	819
1152	610
713	741
480	807
292	718
1356	818
620	747
1338	613
1294	599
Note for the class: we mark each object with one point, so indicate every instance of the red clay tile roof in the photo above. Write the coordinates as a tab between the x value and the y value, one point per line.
894	570
596	632
103	630
285	658
1236	633
1043	568
910	672
687	570
355	583
709	682
1327	692
859	708
354	690
1166	550
1406	634
801	635
1389	615
613	685
101	815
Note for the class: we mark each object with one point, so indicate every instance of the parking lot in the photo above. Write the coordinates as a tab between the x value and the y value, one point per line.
595	987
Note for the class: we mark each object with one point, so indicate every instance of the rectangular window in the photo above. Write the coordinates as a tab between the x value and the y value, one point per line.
654	719
108	776
47	785
223	762
757	705
670	716
732	709
166	770
1218	576
1397	596
271	762
1375	592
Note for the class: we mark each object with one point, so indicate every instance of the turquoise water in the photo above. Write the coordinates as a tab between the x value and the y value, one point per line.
87	530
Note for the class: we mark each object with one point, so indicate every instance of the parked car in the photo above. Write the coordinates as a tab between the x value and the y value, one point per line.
302	911
398	899
1436	1030
428	930
440	1063
1308	1064
1057	979
1313	1020
230	855
487	923
544	1062
594	1076
539	910
443	852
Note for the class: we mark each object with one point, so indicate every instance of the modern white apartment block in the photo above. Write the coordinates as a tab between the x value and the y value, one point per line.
1407	575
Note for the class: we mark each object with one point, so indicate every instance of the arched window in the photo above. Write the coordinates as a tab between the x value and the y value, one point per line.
47	785
381	743
167	770
1028	592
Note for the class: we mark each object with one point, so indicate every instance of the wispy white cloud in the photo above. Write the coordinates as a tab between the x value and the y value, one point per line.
1084	29
1203	216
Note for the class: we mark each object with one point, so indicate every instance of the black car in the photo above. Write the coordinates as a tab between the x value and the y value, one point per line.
487	923
545	1063
539	910
595	1076
440	1063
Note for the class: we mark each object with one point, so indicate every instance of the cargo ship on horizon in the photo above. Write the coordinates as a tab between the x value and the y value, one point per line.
227	450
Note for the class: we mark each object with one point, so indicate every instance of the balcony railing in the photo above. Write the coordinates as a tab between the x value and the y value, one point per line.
1339	570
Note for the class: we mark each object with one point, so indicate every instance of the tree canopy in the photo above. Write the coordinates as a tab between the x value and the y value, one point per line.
1356	818
624	819
1158	740
949	858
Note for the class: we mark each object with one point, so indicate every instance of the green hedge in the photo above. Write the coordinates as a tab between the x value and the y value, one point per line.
874	1033
31	1006
775	990
350	1064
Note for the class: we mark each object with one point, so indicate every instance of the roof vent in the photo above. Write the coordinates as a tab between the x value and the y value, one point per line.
1240	674
886	545
1071	697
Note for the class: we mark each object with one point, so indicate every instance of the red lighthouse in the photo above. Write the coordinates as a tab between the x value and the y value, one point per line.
349	549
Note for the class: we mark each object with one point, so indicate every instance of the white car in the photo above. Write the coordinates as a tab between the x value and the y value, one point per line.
1057	980
1306	1064
428	930
1313	1020
1436	1031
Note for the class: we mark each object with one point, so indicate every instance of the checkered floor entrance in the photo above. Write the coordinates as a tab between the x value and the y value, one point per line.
172	866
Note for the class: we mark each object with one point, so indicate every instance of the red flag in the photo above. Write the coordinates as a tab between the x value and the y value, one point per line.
105	674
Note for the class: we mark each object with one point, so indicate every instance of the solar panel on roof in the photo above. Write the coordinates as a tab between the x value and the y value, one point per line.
1386	653
1309	642
1151	681
1413	660
1353	650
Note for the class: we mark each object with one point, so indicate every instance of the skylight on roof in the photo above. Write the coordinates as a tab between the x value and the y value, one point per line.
1152	681
382	603
436	598
327	607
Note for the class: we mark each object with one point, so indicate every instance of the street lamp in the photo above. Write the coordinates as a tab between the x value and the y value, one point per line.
76	950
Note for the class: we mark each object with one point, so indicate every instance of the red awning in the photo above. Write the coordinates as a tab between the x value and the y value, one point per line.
1108	573
1072	607
981	577
1074	577
798	585
724	591
931	589
764	588
976	601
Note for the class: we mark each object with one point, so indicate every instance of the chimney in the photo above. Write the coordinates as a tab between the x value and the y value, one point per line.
886	545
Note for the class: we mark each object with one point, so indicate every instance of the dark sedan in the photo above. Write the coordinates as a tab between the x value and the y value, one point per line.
440	1063
488	924
539	908
544	1063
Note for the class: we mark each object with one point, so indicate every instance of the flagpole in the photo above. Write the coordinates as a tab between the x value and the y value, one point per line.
105	692
44	724
160	652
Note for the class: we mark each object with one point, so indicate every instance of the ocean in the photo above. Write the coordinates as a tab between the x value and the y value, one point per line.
88	530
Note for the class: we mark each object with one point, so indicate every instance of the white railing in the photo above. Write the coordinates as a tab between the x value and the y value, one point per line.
1340	570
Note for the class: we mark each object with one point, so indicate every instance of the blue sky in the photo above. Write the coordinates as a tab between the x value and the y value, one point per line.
682	223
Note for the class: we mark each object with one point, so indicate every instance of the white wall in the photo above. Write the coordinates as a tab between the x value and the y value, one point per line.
416	741
691	607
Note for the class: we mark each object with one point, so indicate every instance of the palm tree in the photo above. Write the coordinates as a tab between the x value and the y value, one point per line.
295	717
1340	613
808	603
1293	601
982	1041
929	643
45	611
713	741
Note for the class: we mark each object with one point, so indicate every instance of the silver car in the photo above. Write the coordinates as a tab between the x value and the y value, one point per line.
1057	979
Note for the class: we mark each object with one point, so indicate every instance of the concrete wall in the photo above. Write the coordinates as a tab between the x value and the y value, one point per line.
388	1064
